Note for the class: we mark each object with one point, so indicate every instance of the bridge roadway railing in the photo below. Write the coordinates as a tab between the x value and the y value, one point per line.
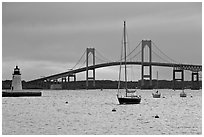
194	68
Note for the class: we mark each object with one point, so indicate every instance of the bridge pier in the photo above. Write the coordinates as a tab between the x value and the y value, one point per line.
47	83
56	84
149	45
178	79
64	79
72	75
55	81
92	51
195	81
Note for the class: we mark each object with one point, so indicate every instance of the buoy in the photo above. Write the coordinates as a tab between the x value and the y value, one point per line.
156	116
114	110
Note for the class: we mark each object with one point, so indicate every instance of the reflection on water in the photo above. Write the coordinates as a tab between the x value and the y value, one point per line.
90	112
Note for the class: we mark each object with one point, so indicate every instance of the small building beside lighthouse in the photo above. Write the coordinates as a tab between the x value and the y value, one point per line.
16	80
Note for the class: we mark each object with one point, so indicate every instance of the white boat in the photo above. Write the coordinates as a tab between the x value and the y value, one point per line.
156	94
183	94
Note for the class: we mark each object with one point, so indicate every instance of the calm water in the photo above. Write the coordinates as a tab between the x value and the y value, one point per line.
90	112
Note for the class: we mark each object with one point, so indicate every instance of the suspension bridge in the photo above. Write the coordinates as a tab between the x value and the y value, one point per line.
156	57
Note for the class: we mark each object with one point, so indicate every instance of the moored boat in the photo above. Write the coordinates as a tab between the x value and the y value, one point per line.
129	100
183	94
156	94
130	95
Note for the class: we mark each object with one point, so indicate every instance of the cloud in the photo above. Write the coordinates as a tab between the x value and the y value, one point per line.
57	34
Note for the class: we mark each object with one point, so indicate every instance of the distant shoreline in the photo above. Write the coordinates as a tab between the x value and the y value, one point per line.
106	84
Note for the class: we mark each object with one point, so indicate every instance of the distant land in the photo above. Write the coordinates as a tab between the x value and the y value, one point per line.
108	84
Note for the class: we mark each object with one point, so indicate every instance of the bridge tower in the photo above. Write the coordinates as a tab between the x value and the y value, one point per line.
147	43
73	75
91	51
178	70
195	81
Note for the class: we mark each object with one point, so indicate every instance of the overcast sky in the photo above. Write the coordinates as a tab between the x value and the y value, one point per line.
49	38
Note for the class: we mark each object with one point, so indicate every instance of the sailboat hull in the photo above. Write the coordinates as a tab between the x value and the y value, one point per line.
182	94
155	95
129	100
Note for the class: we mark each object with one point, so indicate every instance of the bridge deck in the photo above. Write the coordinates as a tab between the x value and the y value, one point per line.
177	66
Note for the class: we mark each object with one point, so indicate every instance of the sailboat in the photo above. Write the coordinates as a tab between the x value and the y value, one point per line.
130	96
156	94
183	94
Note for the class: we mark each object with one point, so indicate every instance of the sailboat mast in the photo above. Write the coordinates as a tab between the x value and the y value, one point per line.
124	38
157	80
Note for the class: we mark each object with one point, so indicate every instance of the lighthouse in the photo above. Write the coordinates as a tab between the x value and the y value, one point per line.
16	87
16	80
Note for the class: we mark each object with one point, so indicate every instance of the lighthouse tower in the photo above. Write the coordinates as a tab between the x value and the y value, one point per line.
16	80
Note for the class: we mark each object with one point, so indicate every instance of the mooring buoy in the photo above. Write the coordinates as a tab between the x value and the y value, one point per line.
114	110
156	116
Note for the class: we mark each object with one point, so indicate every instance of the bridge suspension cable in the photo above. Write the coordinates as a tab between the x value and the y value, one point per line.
131	51
104	58
134	49
84	62
164	53
135	55
79	60
160	57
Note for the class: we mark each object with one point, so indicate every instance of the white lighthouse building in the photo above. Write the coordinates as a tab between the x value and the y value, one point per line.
16	80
